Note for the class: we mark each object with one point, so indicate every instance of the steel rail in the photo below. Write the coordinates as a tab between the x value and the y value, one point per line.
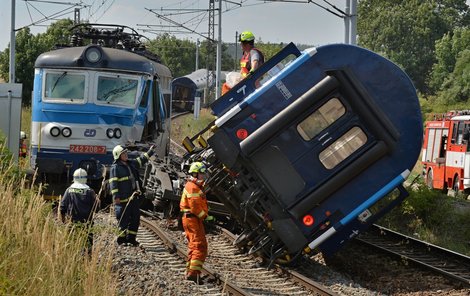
307	283
446	262
230	287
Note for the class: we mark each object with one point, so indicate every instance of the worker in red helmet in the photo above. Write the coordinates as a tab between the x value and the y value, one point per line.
193	206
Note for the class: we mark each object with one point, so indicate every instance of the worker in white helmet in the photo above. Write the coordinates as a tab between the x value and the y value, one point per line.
125	184
79	203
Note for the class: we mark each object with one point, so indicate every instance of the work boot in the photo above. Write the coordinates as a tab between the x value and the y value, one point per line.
131	240
121	240
195	278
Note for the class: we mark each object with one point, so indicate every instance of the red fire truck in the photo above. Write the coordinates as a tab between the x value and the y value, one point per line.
446	151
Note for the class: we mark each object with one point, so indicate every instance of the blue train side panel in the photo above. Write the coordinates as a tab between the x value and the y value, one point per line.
317	147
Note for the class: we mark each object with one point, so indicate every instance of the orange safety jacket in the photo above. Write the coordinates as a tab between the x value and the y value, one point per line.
193	200
245	61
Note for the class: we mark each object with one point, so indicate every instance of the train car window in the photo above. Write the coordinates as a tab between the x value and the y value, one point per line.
321	119
65	85
454	132
274	70
431	139
145	95
343	147
117	90
437	144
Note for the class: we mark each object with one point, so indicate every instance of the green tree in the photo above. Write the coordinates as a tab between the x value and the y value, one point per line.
406	31
456	87
447	51
28	48
177	54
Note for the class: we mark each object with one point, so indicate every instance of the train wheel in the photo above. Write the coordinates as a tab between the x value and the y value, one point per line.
429	179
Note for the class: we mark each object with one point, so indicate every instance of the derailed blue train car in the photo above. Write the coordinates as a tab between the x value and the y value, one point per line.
308	157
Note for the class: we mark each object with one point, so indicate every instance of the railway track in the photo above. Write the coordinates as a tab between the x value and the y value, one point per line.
448	263
228	271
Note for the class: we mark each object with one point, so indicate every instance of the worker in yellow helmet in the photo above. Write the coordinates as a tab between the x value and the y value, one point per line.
251	60
194	210
252	57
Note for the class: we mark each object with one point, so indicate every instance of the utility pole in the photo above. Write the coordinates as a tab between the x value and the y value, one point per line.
219	53
76	16
350	22
210	45
197	54
236	51
353	21
11	77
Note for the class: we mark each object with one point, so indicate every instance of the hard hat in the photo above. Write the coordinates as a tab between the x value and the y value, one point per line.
22	135
246	36
80	176
117	151
197	167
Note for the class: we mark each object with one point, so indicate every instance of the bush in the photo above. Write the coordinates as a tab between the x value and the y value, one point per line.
431	216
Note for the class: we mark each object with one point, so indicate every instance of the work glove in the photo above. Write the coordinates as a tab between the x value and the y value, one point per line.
151	151
210	218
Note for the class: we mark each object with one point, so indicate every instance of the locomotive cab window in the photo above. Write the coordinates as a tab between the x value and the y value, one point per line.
321	119
343	147
64	86
117	90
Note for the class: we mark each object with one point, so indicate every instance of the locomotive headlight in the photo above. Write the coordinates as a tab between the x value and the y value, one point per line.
117	133
93	54
55	131
66	132
110	133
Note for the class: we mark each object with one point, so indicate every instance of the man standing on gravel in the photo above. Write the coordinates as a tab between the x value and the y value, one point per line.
193	206
126	189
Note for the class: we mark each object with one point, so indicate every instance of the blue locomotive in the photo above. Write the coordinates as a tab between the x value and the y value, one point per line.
89	98
312	148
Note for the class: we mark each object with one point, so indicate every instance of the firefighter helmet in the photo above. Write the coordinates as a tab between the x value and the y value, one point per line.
22	135
246	36
197	167
80	176
117	151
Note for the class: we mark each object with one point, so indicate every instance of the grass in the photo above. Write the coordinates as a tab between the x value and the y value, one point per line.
39	255
434	217
187	126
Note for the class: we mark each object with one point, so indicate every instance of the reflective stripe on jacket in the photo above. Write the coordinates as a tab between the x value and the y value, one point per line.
193	200
245	61
124	178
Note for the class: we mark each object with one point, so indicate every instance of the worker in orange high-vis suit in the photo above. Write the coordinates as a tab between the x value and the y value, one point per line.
194	210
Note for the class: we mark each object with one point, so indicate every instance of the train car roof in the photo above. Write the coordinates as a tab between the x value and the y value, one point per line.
71	57
196	79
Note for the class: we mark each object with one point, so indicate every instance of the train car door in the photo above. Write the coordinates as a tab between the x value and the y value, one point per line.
434	153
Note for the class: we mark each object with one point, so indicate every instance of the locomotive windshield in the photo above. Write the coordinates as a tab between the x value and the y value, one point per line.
117	90
64	85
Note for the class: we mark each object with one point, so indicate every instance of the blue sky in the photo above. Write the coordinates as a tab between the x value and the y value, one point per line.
272	22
